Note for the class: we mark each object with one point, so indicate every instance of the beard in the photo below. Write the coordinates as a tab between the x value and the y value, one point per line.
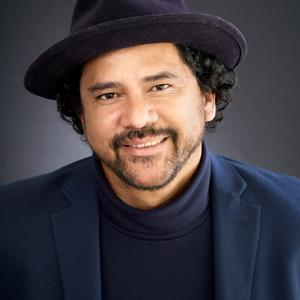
172	162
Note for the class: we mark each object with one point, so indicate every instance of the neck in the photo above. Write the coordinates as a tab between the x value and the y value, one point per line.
147	200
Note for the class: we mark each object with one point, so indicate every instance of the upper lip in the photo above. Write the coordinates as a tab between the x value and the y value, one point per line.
144	141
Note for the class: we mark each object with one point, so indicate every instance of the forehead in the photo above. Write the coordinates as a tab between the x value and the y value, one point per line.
140	58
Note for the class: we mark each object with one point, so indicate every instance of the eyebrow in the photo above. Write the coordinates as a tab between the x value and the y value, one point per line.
161	75
99	86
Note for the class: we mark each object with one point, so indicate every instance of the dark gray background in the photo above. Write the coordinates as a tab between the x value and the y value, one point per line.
261	126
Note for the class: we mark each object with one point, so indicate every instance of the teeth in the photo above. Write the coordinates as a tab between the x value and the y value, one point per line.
146	145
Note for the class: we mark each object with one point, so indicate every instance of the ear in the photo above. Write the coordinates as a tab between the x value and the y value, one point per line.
82	120
209	106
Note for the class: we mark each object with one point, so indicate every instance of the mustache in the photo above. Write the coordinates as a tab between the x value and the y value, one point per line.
119	139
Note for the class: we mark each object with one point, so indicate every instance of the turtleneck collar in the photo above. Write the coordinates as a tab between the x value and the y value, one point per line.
174	219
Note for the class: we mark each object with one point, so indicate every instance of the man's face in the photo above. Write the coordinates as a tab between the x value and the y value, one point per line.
144	114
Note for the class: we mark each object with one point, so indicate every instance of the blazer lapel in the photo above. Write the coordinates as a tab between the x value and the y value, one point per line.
76	235
236	227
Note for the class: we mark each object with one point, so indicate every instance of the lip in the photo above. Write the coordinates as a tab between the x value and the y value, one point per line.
144	140
147	151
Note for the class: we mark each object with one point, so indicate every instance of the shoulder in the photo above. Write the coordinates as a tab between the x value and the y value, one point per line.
278	193
42	187
264	178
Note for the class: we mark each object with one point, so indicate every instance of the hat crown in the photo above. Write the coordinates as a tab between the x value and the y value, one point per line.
92	12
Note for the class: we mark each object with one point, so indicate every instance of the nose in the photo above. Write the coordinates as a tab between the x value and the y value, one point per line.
138	113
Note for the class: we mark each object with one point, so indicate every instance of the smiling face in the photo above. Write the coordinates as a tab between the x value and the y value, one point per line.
144	115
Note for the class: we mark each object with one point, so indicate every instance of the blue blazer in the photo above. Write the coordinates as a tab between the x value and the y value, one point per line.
49	234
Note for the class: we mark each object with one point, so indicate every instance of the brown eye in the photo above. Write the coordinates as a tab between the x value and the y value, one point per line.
160	87
106	96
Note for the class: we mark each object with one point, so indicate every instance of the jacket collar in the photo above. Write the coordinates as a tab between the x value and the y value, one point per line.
236	230
77	236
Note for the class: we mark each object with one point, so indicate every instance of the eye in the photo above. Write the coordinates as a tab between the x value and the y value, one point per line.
160	87
106	96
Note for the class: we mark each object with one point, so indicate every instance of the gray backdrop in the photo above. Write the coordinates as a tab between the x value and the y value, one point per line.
260	127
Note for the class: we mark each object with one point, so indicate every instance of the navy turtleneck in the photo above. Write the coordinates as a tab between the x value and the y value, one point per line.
163	253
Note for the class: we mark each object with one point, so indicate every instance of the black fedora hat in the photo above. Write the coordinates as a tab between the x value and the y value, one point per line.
99	26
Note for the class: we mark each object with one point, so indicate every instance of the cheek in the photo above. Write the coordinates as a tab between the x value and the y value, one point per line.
189	116
99	127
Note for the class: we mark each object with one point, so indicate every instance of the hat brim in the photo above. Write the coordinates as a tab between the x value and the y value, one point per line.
210	34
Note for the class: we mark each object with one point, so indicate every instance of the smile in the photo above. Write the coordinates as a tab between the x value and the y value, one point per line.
146	144
149	144
146	148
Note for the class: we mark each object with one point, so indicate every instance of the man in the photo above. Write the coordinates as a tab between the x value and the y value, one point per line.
152	214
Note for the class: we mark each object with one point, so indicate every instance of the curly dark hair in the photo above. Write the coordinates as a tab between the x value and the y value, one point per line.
211	75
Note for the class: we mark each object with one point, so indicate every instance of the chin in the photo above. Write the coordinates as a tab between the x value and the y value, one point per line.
151	183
